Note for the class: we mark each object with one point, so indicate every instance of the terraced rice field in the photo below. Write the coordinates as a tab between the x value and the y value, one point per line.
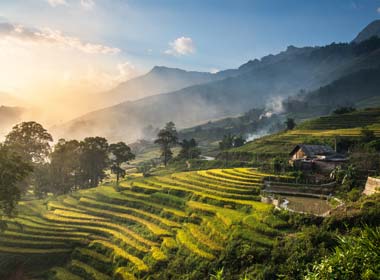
351	120
124	232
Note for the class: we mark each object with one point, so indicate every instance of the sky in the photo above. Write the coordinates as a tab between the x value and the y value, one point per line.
66	47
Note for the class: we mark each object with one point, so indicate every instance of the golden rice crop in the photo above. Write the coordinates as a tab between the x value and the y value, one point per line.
95	274
117	251
185	240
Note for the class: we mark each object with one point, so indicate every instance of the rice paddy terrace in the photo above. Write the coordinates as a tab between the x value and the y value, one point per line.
136	229
325	128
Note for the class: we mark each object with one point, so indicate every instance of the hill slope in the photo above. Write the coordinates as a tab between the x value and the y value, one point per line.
372	29
320	130
159	80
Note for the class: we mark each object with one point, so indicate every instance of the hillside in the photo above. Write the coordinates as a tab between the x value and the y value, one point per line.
320	130
255	82
158	80
373	29
147	226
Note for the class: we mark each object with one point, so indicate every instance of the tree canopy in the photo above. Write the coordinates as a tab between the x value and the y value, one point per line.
189	149
13	169
167	138
30	140
119	153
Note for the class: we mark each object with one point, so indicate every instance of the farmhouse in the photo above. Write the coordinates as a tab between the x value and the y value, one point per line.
315	157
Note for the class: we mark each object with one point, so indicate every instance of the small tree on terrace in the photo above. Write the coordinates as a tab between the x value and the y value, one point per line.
290	124
119	153
238	141
189	149
167	138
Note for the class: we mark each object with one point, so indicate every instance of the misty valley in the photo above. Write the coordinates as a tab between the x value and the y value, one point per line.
116	163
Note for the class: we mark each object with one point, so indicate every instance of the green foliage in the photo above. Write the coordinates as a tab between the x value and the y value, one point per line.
290	124
344	110
167	138
356	257
30	140
119	153
227	142
93	159
189	149
238	141
13	169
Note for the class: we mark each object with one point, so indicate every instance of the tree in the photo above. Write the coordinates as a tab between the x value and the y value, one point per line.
119	153
93	160
238	141
167	138
65	169
30	140
189	149
145	168
42	180
344	110
290	124
227	142
356	257
13	169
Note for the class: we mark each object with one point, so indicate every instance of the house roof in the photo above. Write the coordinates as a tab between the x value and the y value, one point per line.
313	150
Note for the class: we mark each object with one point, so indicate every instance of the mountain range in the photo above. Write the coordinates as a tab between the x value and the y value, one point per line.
193	97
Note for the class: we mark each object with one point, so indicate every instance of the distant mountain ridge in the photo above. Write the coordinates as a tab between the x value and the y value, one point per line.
252	85
160	79
372	29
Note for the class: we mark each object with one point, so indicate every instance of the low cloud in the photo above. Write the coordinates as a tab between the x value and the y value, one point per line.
181	46
378	10
53	37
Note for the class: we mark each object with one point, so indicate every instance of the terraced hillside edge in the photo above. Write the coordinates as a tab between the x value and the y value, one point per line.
322	130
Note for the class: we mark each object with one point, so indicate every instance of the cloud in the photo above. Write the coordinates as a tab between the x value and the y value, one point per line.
53	37
87	4
378	10
55	3
181	46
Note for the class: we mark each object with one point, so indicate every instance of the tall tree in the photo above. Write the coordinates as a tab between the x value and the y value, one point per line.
167	138
189	149
238	141
13	169
65	167
119	153
227	142
30	140
93	159
290	124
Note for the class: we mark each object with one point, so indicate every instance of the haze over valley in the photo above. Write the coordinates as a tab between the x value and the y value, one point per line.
197	140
